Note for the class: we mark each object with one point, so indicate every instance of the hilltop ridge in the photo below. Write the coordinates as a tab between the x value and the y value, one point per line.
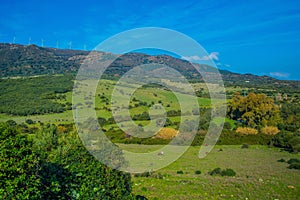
30	60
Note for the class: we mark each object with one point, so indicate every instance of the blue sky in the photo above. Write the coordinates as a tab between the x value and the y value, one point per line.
259	37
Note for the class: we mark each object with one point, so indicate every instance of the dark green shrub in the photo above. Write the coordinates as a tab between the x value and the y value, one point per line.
197	172
29	121
294	166
179	172
173	113
215	171
228	172
139	197
281	160
296	148
293	160
284	139
141	117
245	146
54	178
295	144
11	123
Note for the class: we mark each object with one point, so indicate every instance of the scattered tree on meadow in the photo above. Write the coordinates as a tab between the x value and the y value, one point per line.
254	110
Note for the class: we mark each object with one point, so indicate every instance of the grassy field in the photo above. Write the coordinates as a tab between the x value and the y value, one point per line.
55	118
104	106
258	175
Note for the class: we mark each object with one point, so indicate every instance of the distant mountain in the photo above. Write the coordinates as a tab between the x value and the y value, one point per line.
29	60
20	60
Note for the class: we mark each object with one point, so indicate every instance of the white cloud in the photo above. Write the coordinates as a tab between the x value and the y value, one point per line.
211	56
191	58
280	74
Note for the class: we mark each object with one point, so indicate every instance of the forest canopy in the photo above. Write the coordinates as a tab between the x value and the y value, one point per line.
36	95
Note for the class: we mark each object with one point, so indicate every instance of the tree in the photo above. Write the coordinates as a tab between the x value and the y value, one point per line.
69	171
18	166
287	140
290	113
254	110
64	169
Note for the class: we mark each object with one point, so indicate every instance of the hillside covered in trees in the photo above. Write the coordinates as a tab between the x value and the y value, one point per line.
30	60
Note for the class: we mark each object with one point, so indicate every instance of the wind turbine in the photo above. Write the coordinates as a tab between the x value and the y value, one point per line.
70	45
29	40
42	42
14	40
57	44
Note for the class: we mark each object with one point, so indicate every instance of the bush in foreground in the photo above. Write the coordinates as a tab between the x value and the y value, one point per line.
226	172
63	169
18	163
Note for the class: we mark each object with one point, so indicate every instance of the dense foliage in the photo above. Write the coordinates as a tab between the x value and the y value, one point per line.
34	95
29	60
18	166
287	140
55	166
290	113
254	110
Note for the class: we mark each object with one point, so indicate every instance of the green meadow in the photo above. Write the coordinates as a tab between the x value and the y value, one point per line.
258	175
140	101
